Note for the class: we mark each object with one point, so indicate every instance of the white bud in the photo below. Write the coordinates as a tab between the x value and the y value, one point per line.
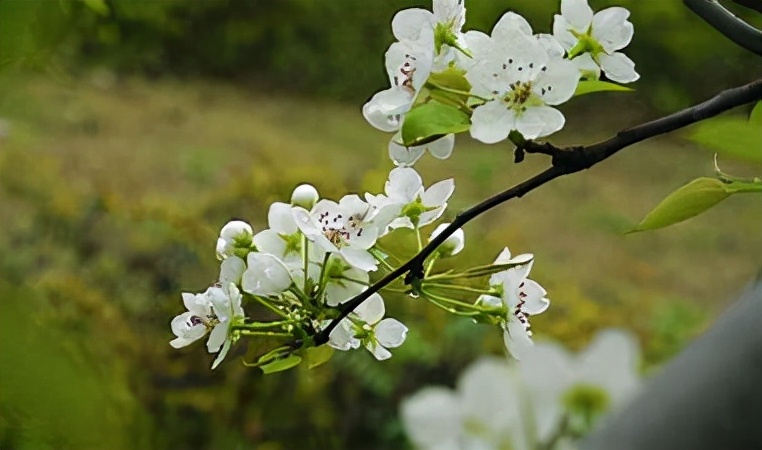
453	244
305	195
232	231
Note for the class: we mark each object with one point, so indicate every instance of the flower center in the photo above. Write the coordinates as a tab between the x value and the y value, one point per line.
337	231
209	321
405	73
521	315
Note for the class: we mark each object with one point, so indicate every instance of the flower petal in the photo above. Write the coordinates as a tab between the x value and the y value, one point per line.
383	110
404	156
618	67
561	32
442	147
403	183
577	13
588	69
438	193
492	122
432	419
612	29
390	332
231	271
408	24
372	310
217	337
534	301
516	339
509	23
558	82
378	350
359	258
280	218
539	121
265	275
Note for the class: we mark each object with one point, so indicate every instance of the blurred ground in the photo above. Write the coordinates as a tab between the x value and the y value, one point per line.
112	192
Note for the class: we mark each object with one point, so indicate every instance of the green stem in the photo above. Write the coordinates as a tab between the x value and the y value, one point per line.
270	306
377	254
474	310
455	91
306	260
265	333
418	237
259	325
455	287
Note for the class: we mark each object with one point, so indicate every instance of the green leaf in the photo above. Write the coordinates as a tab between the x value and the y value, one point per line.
279	365
590	86
686	202
432	119
755	118
317	356
451	78
731	136
98	6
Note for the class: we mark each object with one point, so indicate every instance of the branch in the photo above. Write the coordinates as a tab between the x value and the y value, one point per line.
564	161
728	24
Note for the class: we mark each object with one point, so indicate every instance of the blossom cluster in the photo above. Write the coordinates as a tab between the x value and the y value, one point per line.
508	82
549	400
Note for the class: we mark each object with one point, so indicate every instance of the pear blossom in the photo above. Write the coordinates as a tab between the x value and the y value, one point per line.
340	229
234	235
520	80
418	206
441	27
580	387
453	244
601	34
521	297
365	327
212	312
484	412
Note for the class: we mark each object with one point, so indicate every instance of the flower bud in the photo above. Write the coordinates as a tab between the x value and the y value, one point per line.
305	195
453	244
235	234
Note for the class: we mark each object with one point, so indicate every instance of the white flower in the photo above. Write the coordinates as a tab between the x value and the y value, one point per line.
305	195
520	79
365	326
283	239
453	244
213	311
265	275
521	296
601	34
340	229
440	28
417	206
601	377
407	156
483	413
235	234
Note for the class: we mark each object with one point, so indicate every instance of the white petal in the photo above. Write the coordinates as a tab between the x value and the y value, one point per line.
509	23
535	301
270	241
489	392
480	46
390	332
304	221
577	13
453	244
431	417
185	334
193	305
342	337
539	121
235	228
587	67
231	270
438	193
408	23
280	218
221	355
404	156
378	351
490	300
442	148
611	361
516	339
217	337
552	46
429	216
450	12
405	183
558	82
612	29
265	275
359	258
492	122
383	110
561	32
372	310
618	67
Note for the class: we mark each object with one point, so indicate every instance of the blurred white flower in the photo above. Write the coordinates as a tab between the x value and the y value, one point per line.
601	35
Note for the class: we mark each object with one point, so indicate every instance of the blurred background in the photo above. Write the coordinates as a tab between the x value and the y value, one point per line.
131	131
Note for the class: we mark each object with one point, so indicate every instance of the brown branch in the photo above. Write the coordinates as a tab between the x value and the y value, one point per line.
564	161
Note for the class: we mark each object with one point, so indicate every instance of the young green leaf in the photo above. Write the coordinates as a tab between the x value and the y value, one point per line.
590	86
432	119
317	356
279	365
732	136
686	202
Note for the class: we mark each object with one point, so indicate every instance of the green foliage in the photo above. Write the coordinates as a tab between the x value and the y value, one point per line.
432	120
590	86
732	136
686	202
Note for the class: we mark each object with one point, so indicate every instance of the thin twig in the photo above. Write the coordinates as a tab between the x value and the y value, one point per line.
564	161
728	24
